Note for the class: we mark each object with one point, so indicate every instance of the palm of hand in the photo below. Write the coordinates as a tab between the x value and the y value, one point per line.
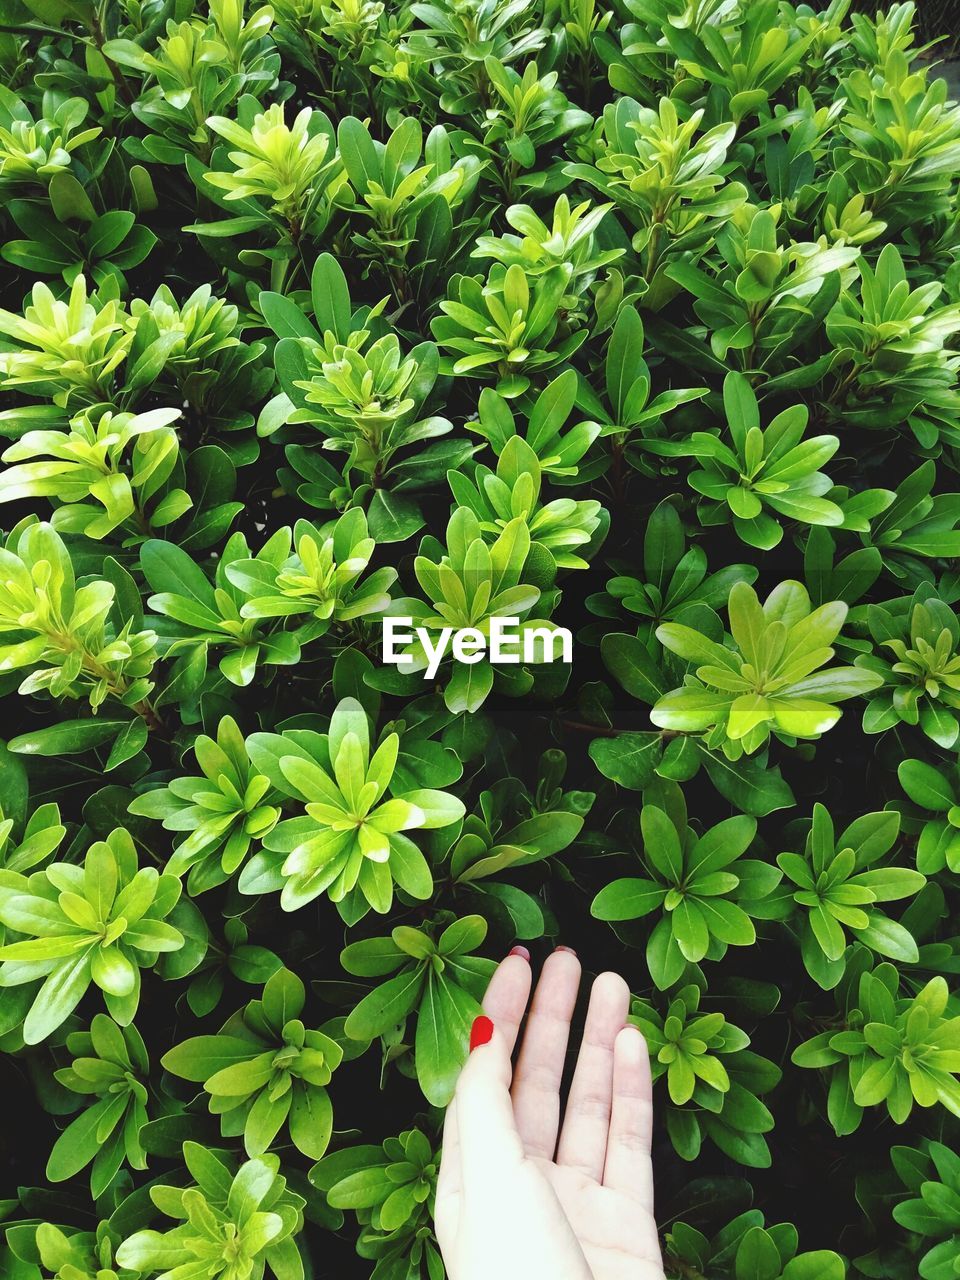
580	1199
618	1236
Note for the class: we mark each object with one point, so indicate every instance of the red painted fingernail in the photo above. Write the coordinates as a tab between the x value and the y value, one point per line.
522	952
481	1032
569	950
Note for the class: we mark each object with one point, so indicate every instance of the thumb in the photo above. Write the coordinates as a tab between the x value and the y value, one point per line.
487	1129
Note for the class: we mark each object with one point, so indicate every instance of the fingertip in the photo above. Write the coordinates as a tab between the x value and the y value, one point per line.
481	1032
631	1041
563	958
488	1060
627	1166
631	1055
487	1044
561	970
613	985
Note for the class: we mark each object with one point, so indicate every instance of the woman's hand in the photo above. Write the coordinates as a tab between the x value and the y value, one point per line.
519	1197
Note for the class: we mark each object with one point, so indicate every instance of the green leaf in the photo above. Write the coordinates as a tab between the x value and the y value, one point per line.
69	200
662	843
358	154
284	317
627	899
129	742
386	1006
823	1264
60	994
201	1057
624	362
78	1145
926	785
629	759
71	738
443	1027
758	1257
328	290
890	938
627	659
168	569
311	1120
393	517
468	687
751	786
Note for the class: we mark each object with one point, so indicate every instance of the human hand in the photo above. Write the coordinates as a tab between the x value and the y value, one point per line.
517	1197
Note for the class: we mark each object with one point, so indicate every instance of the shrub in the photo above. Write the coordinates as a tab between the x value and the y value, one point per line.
636	320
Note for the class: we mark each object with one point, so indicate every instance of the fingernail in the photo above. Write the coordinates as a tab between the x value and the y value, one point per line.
569	950
481	1032
522	952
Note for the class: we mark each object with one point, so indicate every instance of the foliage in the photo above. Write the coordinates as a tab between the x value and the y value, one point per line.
892	1049
111	1064
349	843
745	1247
223	811
703	885
467	583
932	1176
265	1070
836	886
435	977
230	1226
769	680
762	467
639	321
713	1080
391	1189
100	922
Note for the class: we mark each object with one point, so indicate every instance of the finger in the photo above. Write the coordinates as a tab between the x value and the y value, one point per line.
448	1177
505	1001
586	1123
487	1132
446	1207
628	1168
536	1087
